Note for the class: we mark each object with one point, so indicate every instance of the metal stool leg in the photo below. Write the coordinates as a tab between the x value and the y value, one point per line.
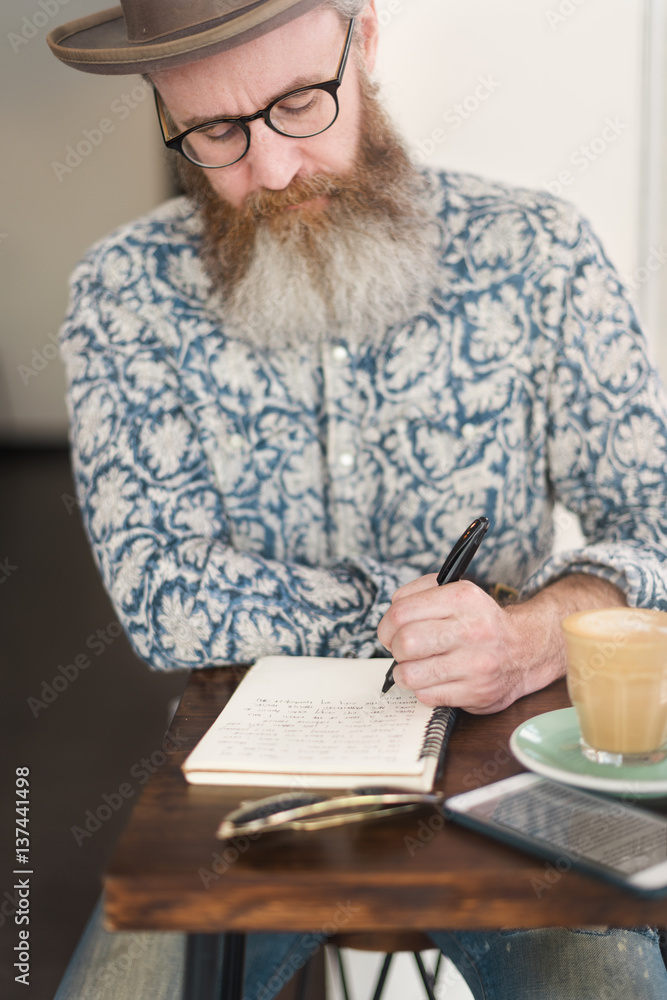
383	976
214	967
302	983
426	979
233	967
341	969
203	964
436	971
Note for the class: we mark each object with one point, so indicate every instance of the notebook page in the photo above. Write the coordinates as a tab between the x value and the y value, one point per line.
321	715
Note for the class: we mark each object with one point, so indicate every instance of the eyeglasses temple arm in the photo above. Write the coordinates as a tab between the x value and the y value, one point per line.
164	128
346	49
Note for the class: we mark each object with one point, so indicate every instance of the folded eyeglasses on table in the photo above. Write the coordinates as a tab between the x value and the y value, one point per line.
316	811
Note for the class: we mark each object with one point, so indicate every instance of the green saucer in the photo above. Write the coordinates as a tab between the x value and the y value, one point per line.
549	745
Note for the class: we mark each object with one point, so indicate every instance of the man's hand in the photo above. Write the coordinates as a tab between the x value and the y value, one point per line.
454	645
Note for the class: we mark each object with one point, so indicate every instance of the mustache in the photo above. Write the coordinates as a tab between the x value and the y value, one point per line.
381	191
265	204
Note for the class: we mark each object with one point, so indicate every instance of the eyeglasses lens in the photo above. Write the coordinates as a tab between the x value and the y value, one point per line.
216	145
303	114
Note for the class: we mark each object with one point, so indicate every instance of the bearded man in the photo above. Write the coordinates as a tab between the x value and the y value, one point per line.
291	389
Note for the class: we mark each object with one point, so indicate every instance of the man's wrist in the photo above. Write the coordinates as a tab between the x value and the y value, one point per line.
535	624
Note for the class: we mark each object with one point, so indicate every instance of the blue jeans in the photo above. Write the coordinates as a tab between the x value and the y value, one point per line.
545	964
553	963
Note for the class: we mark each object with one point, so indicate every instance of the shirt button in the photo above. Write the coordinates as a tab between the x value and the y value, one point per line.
468	431
340	353
346	459
236	441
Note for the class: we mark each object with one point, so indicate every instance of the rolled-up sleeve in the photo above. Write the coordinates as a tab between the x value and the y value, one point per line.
607	438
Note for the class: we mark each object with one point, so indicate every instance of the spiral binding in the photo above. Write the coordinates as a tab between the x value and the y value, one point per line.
442	719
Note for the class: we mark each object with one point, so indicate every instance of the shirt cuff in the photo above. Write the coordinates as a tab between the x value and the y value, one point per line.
637	575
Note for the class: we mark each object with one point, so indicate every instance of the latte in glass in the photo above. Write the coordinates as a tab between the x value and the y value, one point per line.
617	682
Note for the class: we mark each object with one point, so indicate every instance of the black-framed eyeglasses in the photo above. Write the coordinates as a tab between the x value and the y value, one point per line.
300	113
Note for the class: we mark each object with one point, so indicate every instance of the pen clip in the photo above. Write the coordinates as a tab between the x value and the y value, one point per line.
459	558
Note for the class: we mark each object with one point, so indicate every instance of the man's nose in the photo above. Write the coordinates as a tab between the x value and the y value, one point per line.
274	159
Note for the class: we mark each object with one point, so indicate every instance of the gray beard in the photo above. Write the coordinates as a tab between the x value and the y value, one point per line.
350	280
363	262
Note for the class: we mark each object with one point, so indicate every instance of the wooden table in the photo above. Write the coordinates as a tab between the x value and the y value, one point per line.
169	872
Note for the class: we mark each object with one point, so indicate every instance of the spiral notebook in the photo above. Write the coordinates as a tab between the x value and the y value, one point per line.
321	722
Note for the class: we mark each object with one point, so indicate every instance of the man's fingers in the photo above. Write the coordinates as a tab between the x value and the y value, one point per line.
423	674
415	586
461	694
419	640
424	602
450	681
450	646
435	619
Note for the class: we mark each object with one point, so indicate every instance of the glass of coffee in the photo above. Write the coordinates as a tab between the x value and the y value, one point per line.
617	682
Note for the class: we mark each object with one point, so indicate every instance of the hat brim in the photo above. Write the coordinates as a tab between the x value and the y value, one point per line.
98	43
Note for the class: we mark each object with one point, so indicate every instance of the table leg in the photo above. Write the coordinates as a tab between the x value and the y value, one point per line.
214	967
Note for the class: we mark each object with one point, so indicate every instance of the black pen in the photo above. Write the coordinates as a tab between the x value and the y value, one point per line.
453	569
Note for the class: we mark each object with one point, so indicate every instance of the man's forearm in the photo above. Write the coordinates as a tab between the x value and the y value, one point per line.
540	649
455	646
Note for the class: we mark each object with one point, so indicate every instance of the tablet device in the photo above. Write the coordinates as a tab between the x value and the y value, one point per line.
572	828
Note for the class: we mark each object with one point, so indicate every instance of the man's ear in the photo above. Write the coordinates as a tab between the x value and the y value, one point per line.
368	26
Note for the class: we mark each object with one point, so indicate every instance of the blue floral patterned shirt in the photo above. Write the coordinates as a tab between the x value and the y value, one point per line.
243	501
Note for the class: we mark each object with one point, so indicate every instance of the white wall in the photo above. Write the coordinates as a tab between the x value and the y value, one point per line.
553	86
49	216
658	301
551	75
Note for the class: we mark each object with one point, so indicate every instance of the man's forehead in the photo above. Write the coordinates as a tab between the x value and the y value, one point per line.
293	55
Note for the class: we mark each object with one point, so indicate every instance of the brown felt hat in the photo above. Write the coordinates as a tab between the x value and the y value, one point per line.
145	35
